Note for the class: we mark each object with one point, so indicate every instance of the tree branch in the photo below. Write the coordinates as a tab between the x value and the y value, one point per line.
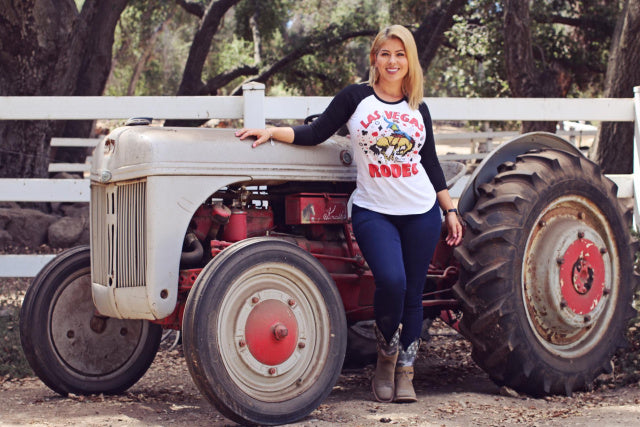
525	80
192	7
306	46
581	22
430	34
192	77
213	85
146	53
257	38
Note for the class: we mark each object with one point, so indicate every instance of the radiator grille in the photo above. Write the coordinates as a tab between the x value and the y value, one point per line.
118	234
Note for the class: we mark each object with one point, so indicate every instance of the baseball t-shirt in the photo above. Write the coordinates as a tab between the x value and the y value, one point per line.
398	171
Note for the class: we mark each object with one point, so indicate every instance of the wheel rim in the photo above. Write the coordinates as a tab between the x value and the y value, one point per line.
274	332
570	280
87	344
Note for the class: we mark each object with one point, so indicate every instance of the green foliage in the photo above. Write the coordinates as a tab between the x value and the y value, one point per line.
576	36
236	51
470	62
270	16
230	52
12	361
134	37
283	26
330	67
571	36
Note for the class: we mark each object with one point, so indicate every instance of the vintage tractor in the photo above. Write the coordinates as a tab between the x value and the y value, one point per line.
249	252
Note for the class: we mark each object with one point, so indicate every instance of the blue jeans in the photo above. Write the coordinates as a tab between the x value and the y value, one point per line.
398	249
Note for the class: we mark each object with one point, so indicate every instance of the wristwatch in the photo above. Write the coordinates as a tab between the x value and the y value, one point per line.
445	212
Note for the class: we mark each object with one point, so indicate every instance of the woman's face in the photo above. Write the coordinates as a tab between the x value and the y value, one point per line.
391	61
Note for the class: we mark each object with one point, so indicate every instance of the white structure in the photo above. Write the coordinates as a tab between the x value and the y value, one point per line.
256	109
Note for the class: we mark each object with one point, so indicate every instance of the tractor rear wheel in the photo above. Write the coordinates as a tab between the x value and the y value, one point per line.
547	274
264	332
70	347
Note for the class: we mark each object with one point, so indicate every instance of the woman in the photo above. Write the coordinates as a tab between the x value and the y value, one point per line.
400	188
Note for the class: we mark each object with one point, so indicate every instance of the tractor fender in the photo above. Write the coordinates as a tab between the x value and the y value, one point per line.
508	152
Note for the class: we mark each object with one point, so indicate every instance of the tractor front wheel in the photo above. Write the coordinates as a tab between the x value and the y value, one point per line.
264	332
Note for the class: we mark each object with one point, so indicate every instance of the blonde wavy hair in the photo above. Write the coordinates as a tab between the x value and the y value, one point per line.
412	84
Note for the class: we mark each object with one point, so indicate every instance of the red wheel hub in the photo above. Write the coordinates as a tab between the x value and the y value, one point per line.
271	332
582	276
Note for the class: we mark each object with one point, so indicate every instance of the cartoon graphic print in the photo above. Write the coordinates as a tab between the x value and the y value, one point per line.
398	143
394	142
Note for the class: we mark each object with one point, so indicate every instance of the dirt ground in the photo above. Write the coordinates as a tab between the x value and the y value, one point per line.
452	391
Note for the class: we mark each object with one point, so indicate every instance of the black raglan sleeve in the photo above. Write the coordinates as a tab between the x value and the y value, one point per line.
429	158
337	114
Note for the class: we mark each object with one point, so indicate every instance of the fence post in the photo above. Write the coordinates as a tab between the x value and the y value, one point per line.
636	158
254	114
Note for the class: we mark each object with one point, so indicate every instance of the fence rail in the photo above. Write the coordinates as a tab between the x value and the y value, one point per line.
258	107
255	109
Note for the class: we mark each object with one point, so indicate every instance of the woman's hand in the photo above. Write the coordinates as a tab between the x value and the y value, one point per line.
454	234
454	227
261	135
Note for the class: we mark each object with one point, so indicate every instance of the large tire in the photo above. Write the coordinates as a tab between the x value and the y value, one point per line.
71	348
547	274
264	332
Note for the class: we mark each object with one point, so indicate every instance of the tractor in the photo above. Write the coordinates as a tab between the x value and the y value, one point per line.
250	254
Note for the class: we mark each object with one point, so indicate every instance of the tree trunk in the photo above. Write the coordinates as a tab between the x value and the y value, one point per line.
257	37
28	61
148	48
49	49
524	78
191	83
92	59
430	35
614	147
25	149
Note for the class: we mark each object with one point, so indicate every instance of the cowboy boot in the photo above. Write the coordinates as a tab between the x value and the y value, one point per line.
383	382
404	392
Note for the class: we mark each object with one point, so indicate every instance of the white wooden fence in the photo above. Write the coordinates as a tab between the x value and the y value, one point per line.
256	109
